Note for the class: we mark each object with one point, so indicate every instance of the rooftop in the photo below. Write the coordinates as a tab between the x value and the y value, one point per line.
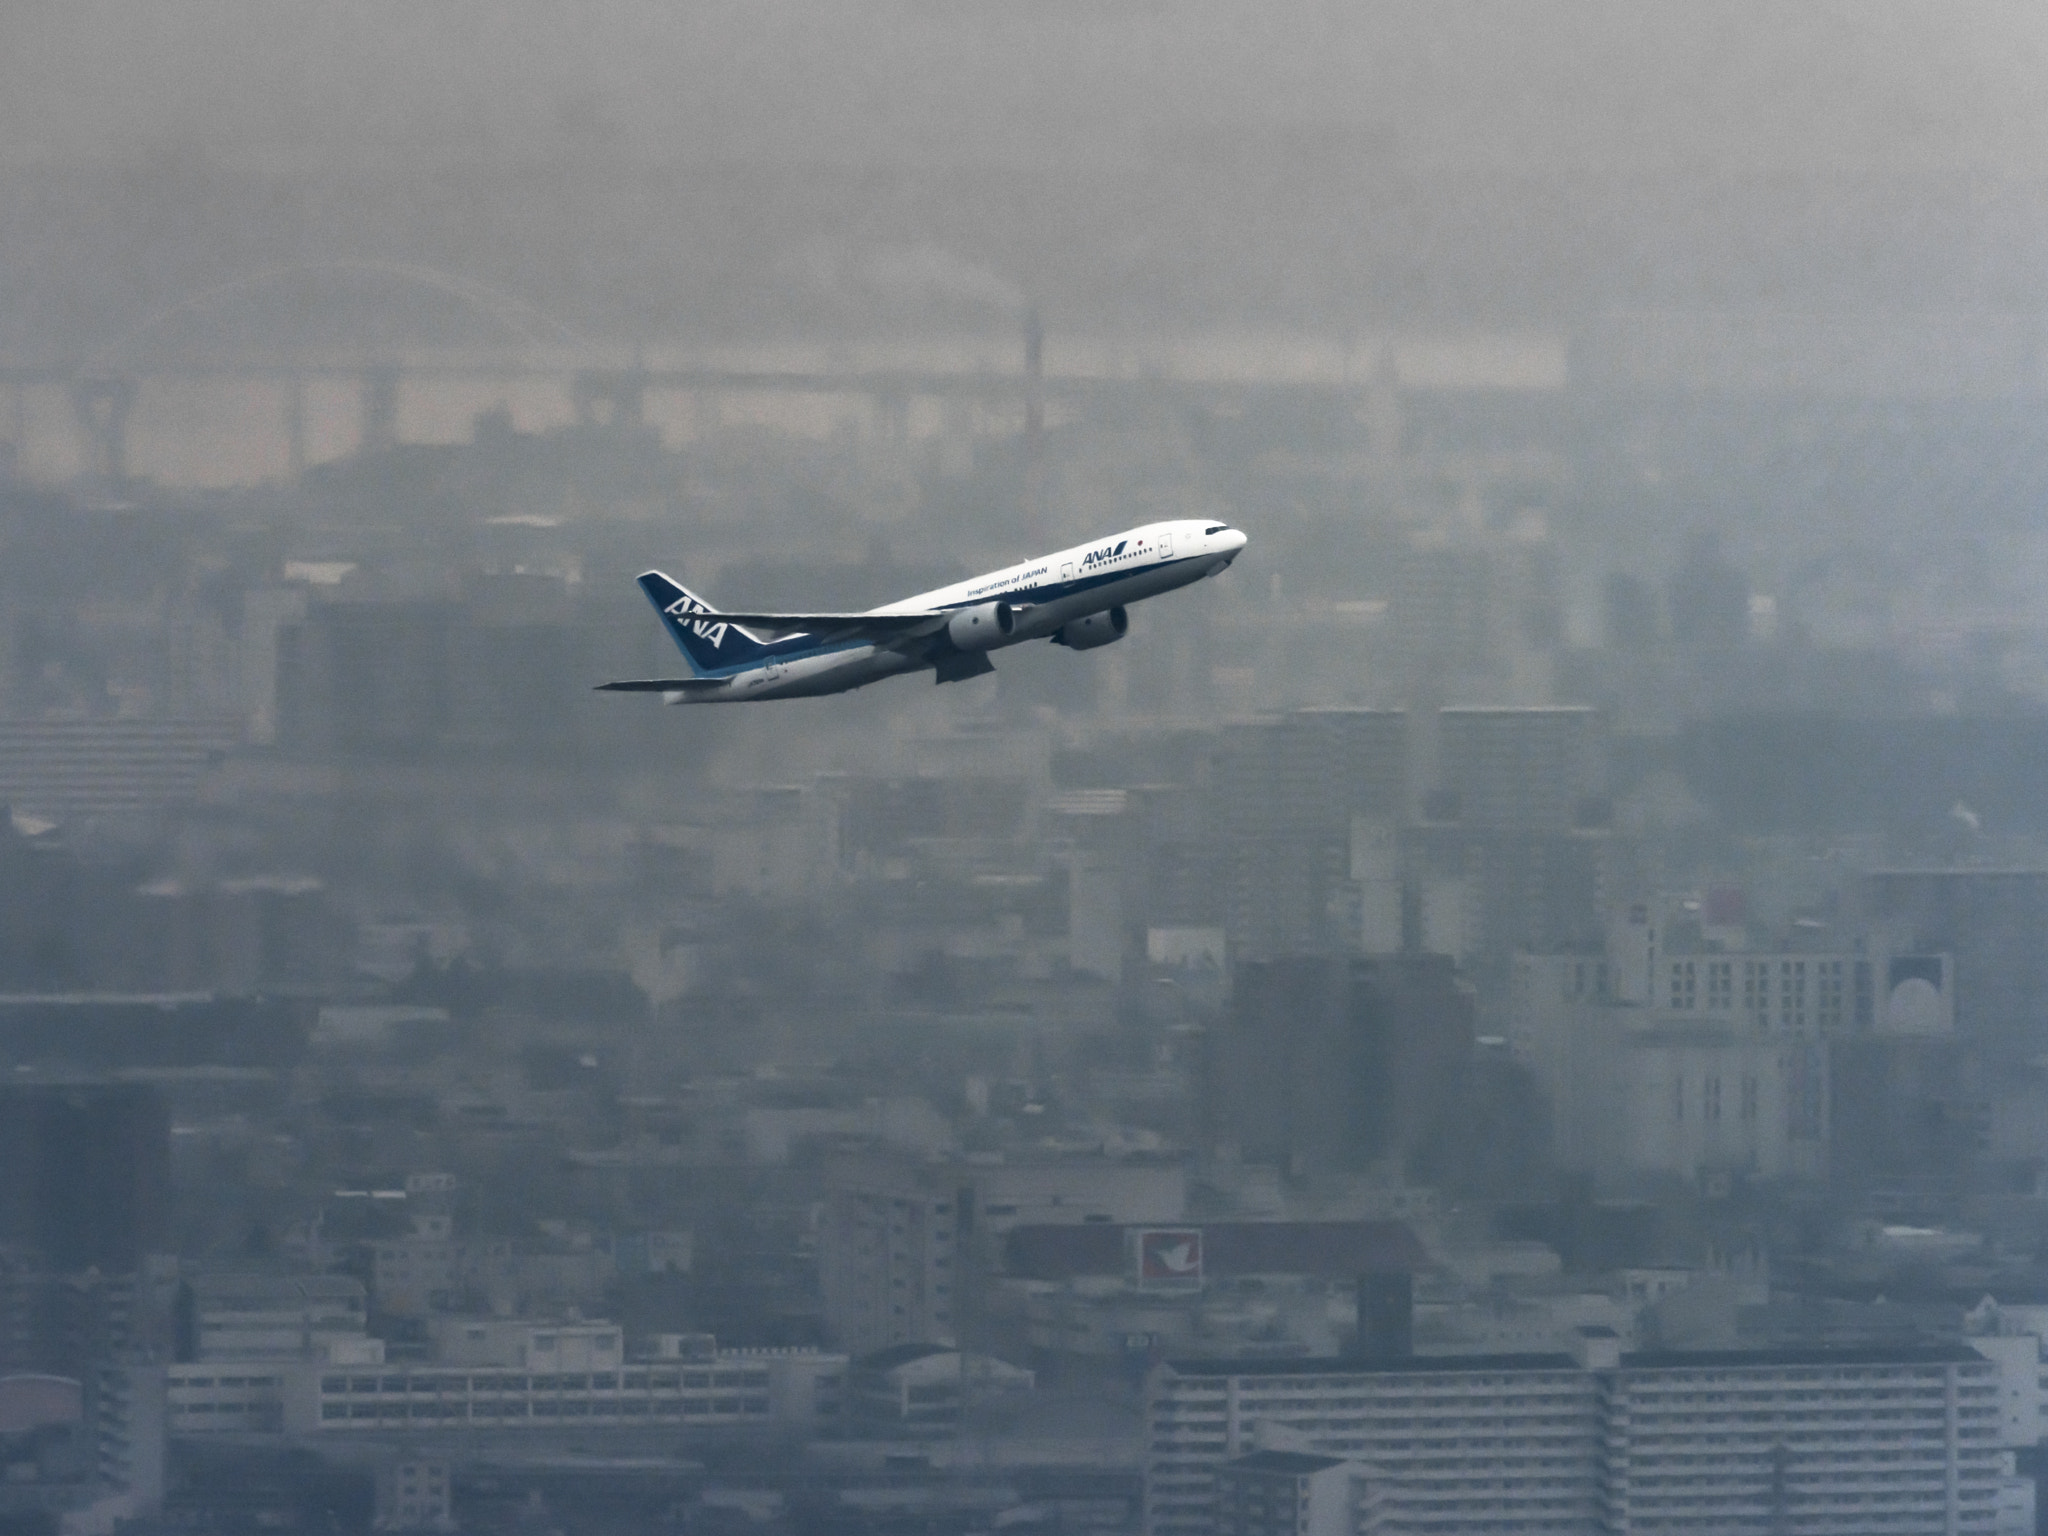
1642	1360
1340	1365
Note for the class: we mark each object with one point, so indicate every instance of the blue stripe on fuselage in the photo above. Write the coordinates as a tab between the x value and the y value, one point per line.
802	648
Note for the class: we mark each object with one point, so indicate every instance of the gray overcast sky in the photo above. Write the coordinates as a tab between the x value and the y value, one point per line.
1518	83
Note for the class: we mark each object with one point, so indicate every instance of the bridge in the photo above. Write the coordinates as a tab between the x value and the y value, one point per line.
594	390
273	351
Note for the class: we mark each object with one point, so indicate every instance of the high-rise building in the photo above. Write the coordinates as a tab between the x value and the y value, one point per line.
1526	768
84	1173
1288	792
1482	893
1322	1064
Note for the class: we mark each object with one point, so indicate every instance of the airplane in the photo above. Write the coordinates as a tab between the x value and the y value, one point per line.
1077	598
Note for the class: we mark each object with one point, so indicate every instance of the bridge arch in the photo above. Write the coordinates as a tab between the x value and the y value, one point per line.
516	319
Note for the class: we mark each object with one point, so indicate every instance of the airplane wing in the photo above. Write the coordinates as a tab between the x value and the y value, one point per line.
664	685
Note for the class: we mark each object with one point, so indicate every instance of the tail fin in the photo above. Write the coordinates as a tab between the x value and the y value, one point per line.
710	647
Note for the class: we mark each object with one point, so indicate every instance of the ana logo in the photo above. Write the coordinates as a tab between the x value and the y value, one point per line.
684	606
1170	1257
1103	556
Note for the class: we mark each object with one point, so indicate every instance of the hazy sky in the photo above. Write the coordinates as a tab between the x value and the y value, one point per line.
1592	84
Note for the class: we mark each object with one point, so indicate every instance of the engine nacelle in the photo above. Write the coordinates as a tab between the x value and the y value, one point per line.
982	628
1096	629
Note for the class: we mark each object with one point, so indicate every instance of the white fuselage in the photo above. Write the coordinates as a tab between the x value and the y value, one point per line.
1045	595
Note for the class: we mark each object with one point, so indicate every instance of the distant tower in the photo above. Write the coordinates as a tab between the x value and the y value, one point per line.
102	405
379	429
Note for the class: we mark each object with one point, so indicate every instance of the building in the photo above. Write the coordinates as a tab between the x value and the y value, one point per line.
1286	1493
889	1255
67	1322
1287	794
927	1385
88	1173
125	1405
788	1391
1125	1295
274	1317
1531	769
1484	892
1325	1065
1991	921
1818	1440
901	1238
245	1398
496	1373
46	1449
1733	1081
1465	1444
413	1494
520	1344
1865	990
412	1274
1739	1441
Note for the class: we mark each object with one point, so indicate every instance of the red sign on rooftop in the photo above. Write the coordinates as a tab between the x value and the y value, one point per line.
1169	1256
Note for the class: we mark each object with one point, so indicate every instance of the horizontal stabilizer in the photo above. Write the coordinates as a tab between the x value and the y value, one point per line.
664	685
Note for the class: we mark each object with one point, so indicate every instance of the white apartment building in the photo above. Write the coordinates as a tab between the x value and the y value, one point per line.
1732	1442
1819	1441
503	1374
1454	1444
789	1390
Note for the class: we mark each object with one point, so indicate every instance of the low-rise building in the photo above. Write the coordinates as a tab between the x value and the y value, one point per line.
791	1390
523	1344
413	1494
1286	1493
272	1317
929	1384
898	1234
228	1398
413	1274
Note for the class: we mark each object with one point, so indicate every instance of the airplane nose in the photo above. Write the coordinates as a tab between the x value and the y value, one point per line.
1234	540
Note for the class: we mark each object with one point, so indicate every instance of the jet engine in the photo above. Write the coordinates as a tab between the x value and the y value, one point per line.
982	628
1096	629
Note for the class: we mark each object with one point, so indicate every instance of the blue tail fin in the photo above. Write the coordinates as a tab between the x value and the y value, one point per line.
710	647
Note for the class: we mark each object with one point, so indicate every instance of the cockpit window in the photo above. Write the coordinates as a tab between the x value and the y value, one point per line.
1219	528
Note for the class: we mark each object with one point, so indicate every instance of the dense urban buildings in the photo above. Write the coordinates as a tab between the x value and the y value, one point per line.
1517	1007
